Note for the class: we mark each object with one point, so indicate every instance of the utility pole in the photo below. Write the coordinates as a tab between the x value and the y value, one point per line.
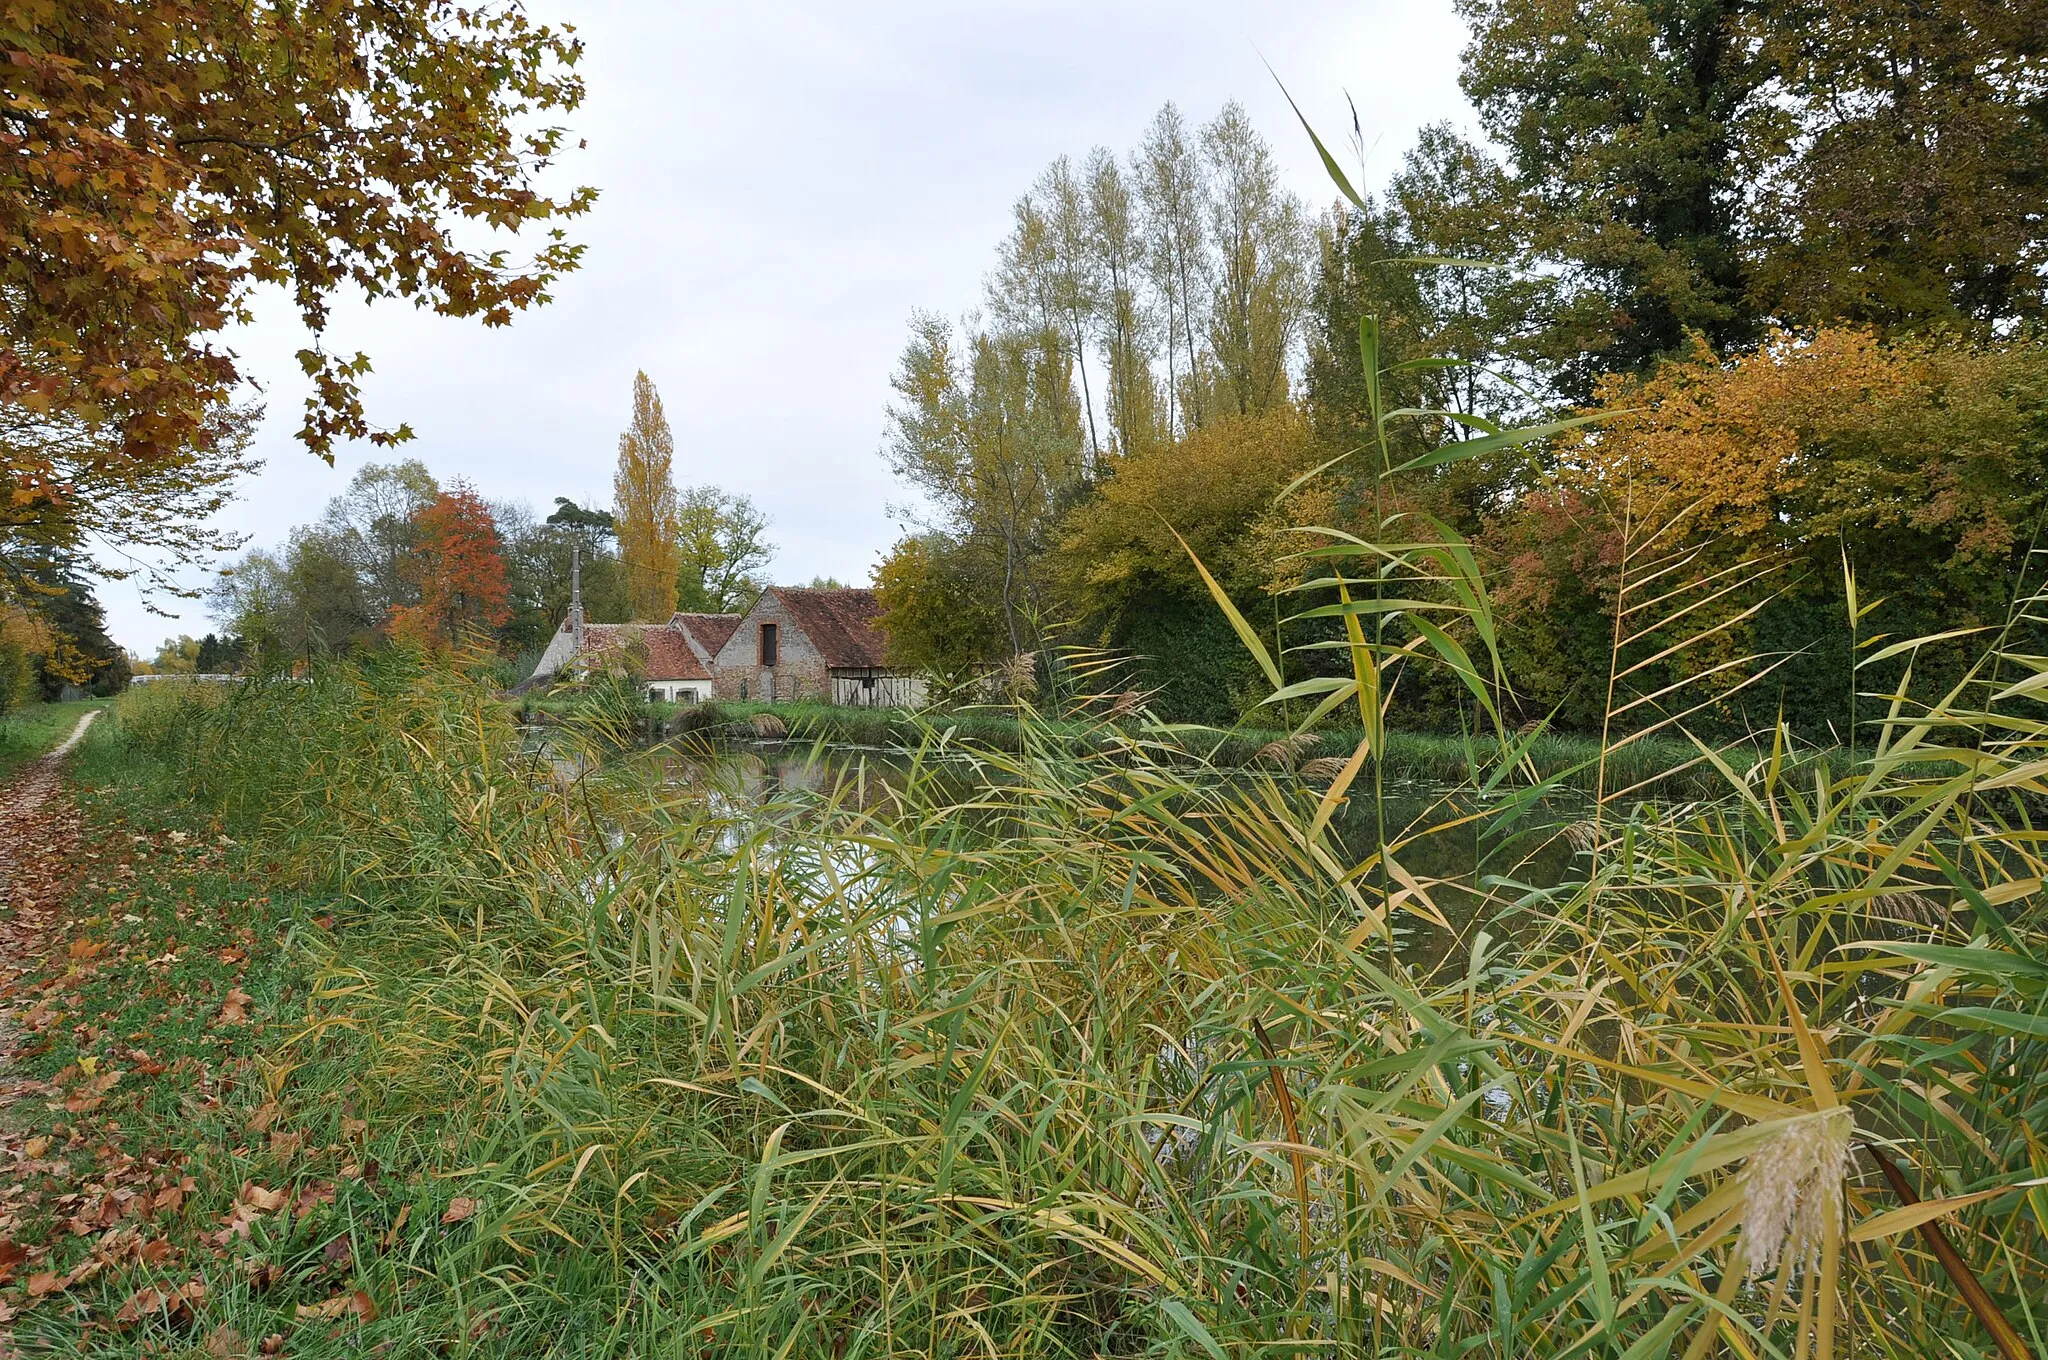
576	598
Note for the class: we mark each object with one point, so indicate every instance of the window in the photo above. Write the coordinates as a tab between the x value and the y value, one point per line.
769	644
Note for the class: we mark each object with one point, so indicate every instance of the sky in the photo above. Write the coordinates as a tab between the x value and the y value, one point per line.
780	187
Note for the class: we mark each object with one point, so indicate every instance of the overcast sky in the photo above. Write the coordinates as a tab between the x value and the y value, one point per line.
780	187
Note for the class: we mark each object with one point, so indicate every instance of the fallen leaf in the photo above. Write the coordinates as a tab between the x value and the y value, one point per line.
36	1146
12	1254
274	1344
398	1225
459	1209
342	1305
45	1282
354	1128
225	1343
235	1010
285	1146
256	1197
87	949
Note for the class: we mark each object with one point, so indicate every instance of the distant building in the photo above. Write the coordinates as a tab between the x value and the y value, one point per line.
794	644
677	667
823	645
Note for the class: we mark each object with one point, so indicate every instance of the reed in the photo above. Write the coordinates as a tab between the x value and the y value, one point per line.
1110	1055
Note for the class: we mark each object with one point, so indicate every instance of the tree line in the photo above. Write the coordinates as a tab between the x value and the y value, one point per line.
399	556
1791	258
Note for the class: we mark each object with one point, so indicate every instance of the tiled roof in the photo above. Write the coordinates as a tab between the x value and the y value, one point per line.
712	631
840	624
668	652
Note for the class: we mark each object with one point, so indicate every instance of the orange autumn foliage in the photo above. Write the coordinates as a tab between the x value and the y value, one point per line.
459	570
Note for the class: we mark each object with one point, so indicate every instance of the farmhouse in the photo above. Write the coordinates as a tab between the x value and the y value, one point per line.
795	643
823	645
677	663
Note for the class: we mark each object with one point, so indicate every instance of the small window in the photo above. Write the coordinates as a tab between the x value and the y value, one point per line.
867	682
769	644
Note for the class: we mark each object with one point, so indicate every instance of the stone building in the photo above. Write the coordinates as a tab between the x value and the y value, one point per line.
821	645
795	643
677	666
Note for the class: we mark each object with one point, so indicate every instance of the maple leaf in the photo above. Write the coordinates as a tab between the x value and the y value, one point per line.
12	1254
459	1209
235	1010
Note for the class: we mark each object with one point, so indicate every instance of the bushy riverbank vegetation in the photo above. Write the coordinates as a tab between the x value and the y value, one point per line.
1113	1056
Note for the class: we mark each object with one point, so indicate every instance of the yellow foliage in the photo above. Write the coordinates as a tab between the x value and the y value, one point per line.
1214	487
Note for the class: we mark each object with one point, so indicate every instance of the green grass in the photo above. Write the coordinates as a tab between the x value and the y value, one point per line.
1025	1070
32	729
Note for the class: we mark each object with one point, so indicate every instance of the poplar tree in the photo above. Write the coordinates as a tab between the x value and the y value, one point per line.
1125	320
644	492
1174	199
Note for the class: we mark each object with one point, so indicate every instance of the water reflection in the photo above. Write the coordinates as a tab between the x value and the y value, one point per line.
1470	869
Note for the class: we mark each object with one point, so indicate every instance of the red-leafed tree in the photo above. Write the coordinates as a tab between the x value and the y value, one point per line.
459	569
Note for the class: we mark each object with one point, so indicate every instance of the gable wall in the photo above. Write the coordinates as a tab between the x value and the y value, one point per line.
800	672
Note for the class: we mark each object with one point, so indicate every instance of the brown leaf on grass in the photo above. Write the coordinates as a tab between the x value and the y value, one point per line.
274	1344
12	1254
357	1304
338	1253
285	1146
46	1282
461	1208
172	1197
353	1129
87	949
174	1304
257	1197
36	1146
263	1117
313	1194
397	1226
225	1343
235	1010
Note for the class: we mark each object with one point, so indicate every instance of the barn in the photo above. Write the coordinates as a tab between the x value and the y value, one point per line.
822	645
679	655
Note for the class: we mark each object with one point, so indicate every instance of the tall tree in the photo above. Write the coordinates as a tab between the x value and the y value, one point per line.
723	548
459	569
374	525
161	161
644	496
1173	195
1905	187
993	440
1125	320
1260	238
1621	121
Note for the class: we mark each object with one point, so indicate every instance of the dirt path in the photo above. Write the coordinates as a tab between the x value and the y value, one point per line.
25	836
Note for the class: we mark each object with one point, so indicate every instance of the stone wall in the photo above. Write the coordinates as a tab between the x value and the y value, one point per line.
799	672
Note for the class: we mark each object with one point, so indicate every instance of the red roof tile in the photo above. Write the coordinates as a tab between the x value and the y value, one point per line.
712	631
840	624
668	652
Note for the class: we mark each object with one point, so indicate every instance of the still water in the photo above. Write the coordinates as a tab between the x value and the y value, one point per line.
1473	869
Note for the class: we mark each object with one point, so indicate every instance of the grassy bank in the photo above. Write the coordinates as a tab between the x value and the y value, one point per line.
1134	1077
27	732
